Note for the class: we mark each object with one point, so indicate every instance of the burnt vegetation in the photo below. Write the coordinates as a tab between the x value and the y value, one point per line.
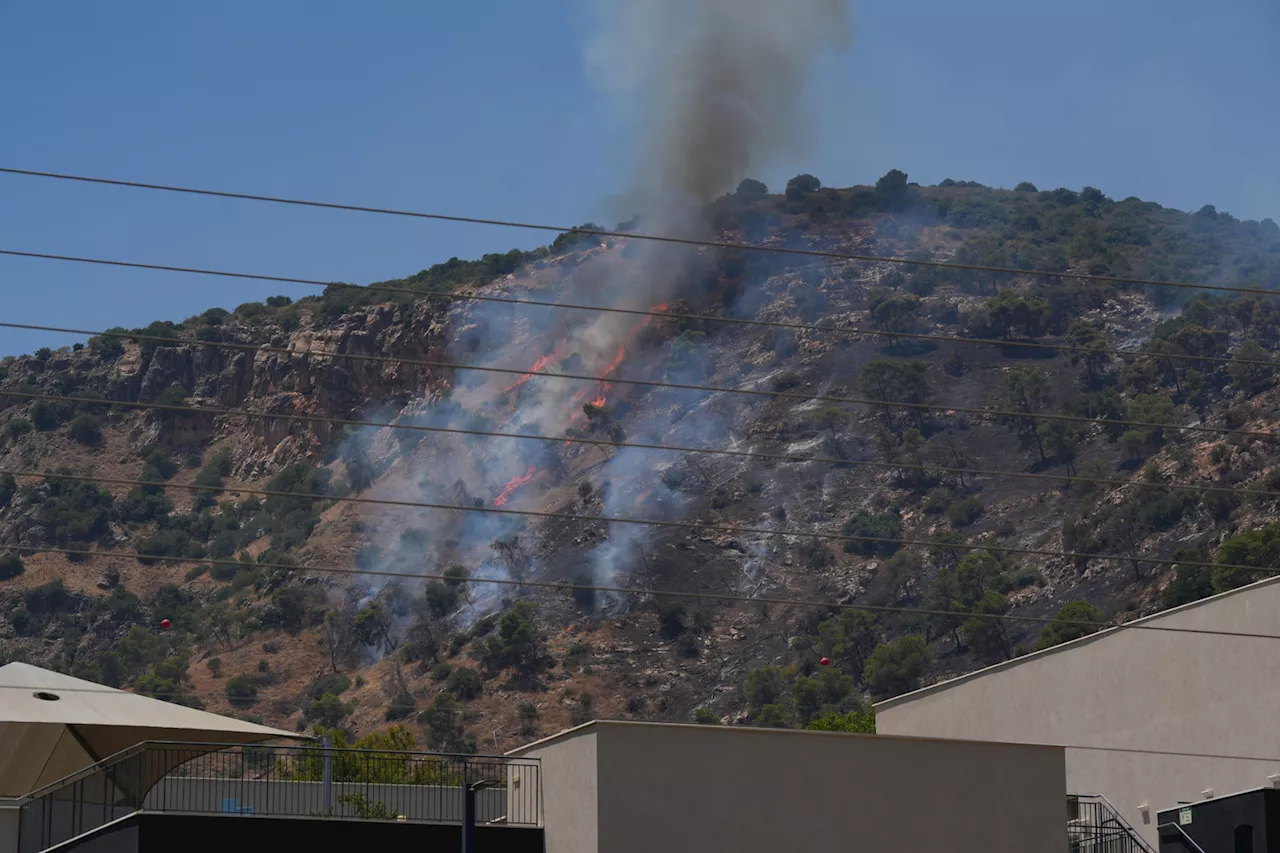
461	664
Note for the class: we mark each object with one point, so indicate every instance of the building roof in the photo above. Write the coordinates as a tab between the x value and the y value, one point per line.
53	725
594	726
1099	636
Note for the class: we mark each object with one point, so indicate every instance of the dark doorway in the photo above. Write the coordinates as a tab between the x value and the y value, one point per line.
1244	839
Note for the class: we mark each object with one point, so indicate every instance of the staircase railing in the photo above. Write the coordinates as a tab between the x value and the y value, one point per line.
1096	826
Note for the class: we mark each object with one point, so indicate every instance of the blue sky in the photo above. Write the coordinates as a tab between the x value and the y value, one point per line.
483	108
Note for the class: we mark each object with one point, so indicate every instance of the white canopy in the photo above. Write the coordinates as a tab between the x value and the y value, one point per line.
52	725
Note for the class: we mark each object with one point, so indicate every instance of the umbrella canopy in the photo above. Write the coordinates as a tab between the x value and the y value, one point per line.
53	725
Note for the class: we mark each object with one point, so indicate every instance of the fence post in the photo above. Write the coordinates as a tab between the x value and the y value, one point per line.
468	818
327	777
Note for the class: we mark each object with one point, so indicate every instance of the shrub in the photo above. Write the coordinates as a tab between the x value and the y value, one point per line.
962	512
11	566
328	711
1069	627
279	301
85	429
334	683
671	622
242	691
853	721
885	525
464	683
215	667
706	717
17	428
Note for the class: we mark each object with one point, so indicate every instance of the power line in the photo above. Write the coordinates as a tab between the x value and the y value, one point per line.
645	591
680	525
945	408
622	445
628	235
667	315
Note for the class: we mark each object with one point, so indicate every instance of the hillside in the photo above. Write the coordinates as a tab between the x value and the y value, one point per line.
258	628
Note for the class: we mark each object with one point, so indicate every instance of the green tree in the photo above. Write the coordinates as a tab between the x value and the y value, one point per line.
830	418
891	190
848	640
1061	440
1190	583
752	187
1089	338
1259	548
445	731
11	566
863	722
1027	390
517	643
1075	620
801	186
894	313
870	530
896	382
464	683
986	633
896	668
1248	377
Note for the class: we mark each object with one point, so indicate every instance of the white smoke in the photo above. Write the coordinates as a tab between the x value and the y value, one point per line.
717	87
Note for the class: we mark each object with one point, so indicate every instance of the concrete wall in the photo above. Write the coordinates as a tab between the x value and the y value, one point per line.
570	792
1124	700
8	825
671	787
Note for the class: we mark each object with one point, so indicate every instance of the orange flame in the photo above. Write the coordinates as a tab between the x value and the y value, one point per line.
516	482
540	364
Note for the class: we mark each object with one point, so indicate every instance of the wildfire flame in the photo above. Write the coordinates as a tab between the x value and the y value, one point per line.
540	364
515	483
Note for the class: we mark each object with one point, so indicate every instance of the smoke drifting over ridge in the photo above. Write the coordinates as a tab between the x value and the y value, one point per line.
718	84
718	88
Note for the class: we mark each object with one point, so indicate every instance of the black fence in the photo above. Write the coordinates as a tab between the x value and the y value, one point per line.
282	782
1094	826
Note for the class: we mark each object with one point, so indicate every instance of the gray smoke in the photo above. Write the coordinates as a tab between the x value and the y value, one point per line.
718	84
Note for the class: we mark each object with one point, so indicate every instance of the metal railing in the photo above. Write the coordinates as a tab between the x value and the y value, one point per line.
281	781
1095	826
1187	842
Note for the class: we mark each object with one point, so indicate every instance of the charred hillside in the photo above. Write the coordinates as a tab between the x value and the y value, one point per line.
221	466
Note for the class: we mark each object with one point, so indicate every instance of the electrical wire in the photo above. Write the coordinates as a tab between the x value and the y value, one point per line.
679	525
667	315
628	235
622	445
713	389
644	591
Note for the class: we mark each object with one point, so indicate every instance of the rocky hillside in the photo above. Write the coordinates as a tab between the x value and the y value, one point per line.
239	519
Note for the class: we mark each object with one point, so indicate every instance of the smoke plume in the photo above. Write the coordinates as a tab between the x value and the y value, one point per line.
717	84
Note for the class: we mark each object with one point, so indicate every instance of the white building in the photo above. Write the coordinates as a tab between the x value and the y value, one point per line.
1149	718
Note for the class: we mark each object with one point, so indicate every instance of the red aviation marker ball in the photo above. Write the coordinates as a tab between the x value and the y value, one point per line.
825	661
164	623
